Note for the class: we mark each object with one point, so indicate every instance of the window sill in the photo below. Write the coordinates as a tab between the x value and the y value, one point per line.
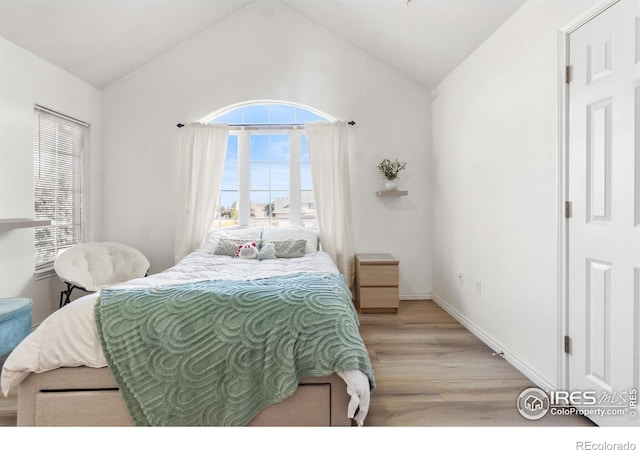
11	224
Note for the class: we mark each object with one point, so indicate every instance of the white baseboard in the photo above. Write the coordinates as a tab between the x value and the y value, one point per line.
496	346
417	296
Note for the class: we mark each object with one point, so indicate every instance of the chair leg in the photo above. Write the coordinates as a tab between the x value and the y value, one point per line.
65	296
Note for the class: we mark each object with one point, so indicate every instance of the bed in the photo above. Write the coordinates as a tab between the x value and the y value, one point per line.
214	340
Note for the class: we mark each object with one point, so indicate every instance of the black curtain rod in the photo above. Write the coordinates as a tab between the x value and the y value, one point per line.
352	123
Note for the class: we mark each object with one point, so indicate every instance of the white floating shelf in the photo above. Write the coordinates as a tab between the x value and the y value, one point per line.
11	224
391	193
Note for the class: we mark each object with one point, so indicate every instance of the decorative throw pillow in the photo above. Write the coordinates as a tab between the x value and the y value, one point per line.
282	233
229	247
290	248
267	251
237	233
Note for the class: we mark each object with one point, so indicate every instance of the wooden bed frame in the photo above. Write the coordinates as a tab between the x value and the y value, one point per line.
83	396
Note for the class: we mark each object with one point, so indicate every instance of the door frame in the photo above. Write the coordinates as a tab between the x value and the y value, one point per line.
563	178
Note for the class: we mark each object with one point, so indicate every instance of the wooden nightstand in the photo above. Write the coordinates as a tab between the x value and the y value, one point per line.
377	281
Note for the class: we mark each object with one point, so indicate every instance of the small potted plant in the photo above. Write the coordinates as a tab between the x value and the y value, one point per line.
390	170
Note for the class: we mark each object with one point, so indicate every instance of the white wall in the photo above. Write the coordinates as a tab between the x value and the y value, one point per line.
24	81
268	51
495	187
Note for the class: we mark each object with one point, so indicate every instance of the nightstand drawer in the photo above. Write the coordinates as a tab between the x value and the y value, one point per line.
378	275
379	297
377	283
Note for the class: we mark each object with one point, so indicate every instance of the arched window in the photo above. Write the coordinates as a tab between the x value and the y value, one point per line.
267	176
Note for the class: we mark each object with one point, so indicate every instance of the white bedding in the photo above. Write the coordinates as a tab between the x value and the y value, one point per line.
69	337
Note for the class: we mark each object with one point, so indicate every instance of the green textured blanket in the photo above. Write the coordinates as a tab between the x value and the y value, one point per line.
217	352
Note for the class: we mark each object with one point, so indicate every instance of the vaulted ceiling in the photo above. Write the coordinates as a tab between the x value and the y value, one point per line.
100	41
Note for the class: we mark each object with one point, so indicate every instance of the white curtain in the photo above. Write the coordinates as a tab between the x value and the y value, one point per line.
329	158
202	156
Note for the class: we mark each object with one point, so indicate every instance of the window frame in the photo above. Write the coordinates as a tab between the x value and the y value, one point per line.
244	174
73	172
244	133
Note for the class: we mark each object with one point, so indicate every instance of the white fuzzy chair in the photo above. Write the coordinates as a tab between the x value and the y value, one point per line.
90	266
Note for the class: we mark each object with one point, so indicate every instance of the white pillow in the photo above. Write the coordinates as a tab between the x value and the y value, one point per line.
284	233
214	236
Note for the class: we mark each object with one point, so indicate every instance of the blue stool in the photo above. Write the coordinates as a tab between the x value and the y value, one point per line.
15	322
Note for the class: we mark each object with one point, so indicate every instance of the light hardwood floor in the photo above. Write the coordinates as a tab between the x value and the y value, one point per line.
8	411
430	371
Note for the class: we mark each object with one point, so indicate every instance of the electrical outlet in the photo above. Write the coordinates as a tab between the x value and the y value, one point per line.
461	278
478	287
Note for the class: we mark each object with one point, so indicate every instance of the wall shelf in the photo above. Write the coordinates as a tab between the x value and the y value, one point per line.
391	193
11	224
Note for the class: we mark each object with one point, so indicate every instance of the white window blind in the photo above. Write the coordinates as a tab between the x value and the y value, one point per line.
58	145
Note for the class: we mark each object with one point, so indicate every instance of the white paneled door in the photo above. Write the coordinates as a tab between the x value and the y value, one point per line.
603	244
